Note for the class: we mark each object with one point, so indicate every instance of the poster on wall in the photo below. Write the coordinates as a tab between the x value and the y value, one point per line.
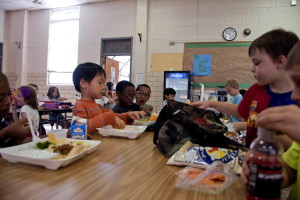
202	65
139	78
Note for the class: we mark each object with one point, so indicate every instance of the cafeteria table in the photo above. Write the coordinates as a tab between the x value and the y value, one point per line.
120	169
54	111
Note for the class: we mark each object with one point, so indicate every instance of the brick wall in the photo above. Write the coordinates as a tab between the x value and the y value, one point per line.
156	81
40	79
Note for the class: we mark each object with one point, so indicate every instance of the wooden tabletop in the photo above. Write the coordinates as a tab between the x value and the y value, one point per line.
120	169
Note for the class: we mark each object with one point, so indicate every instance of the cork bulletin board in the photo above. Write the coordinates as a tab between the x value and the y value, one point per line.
228	60
166	62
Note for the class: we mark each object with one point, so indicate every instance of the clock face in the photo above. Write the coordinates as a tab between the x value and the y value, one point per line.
229	34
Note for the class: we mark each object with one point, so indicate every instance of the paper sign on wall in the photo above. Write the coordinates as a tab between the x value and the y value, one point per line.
202	65
140	78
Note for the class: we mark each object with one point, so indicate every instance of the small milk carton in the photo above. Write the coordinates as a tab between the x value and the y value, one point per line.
78	129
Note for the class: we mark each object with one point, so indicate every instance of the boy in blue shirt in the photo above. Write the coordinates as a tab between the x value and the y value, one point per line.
232	88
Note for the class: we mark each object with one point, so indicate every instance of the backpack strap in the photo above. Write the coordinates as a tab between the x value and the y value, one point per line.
161	119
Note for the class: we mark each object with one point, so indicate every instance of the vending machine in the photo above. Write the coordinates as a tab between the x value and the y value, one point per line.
181	82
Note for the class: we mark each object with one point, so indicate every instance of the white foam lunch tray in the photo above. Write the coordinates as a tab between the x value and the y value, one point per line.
12	154
130	131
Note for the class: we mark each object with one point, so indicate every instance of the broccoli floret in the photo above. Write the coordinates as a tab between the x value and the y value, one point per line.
43	145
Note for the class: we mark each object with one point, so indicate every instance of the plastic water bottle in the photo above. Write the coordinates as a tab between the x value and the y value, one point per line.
265	167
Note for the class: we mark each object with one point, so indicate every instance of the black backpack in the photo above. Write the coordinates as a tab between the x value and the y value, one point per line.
178	123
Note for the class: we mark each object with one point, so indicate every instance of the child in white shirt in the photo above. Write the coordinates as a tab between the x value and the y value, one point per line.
26	97
169	94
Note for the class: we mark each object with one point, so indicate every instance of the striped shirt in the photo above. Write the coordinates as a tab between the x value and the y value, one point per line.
96	115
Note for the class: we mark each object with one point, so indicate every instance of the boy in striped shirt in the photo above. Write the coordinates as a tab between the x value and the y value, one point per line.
89	80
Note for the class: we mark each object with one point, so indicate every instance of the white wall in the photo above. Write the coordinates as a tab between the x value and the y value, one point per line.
104	20
167	20
204	21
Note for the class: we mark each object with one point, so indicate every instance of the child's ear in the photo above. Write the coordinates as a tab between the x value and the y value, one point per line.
118	94
83	84
281	61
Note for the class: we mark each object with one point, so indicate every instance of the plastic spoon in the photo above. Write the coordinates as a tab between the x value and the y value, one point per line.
35	138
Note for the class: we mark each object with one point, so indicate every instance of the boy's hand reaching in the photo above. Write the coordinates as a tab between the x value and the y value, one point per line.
120	124
18	130
146	108
202	104
136	115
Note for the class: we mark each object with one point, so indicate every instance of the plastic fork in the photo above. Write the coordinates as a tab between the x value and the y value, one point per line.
35	138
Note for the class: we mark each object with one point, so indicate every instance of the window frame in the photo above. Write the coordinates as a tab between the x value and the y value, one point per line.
56	21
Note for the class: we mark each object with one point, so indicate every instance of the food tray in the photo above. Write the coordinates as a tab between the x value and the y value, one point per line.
130	131
144	123
13	155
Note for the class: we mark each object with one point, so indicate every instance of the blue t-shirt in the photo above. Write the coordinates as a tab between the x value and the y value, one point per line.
235	100
280	99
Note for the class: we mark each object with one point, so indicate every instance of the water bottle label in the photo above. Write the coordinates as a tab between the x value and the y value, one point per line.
265	181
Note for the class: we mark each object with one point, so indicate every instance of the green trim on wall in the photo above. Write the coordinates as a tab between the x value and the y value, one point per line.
215	85
207	45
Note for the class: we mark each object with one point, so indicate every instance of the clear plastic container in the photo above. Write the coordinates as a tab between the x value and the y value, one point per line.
216	178
59	133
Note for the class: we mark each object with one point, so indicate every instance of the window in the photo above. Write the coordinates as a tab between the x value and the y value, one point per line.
63	45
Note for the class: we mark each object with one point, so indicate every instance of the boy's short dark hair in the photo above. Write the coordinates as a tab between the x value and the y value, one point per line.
122	85
169	91
275	43
86	71
142	85
293	57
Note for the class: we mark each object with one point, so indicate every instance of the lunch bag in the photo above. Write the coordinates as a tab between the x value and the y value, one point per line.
178	123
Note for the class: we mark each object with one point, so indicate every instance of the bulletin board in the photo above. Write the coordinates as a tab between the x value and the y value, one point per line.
228	60
166	62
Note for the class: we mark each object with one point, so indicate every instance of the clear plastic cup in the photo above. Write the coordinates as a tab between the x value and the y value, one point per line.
59	133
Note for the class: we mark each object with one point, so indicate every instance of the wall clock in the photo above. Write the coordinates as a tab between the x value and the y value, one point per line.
229	34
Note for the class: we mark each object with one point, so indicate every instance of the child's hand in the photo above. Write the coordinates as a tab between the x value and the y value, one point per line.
13	105
119	124
245	169
136	115
18	130
282	118
146	108
240	126
202	104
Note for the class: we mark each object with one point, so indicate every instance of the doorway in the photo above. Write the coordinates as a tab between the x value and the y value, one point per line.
116	55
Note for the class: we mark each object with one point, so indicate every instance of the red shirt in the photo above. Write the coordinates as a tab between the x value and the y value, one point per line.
256	99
